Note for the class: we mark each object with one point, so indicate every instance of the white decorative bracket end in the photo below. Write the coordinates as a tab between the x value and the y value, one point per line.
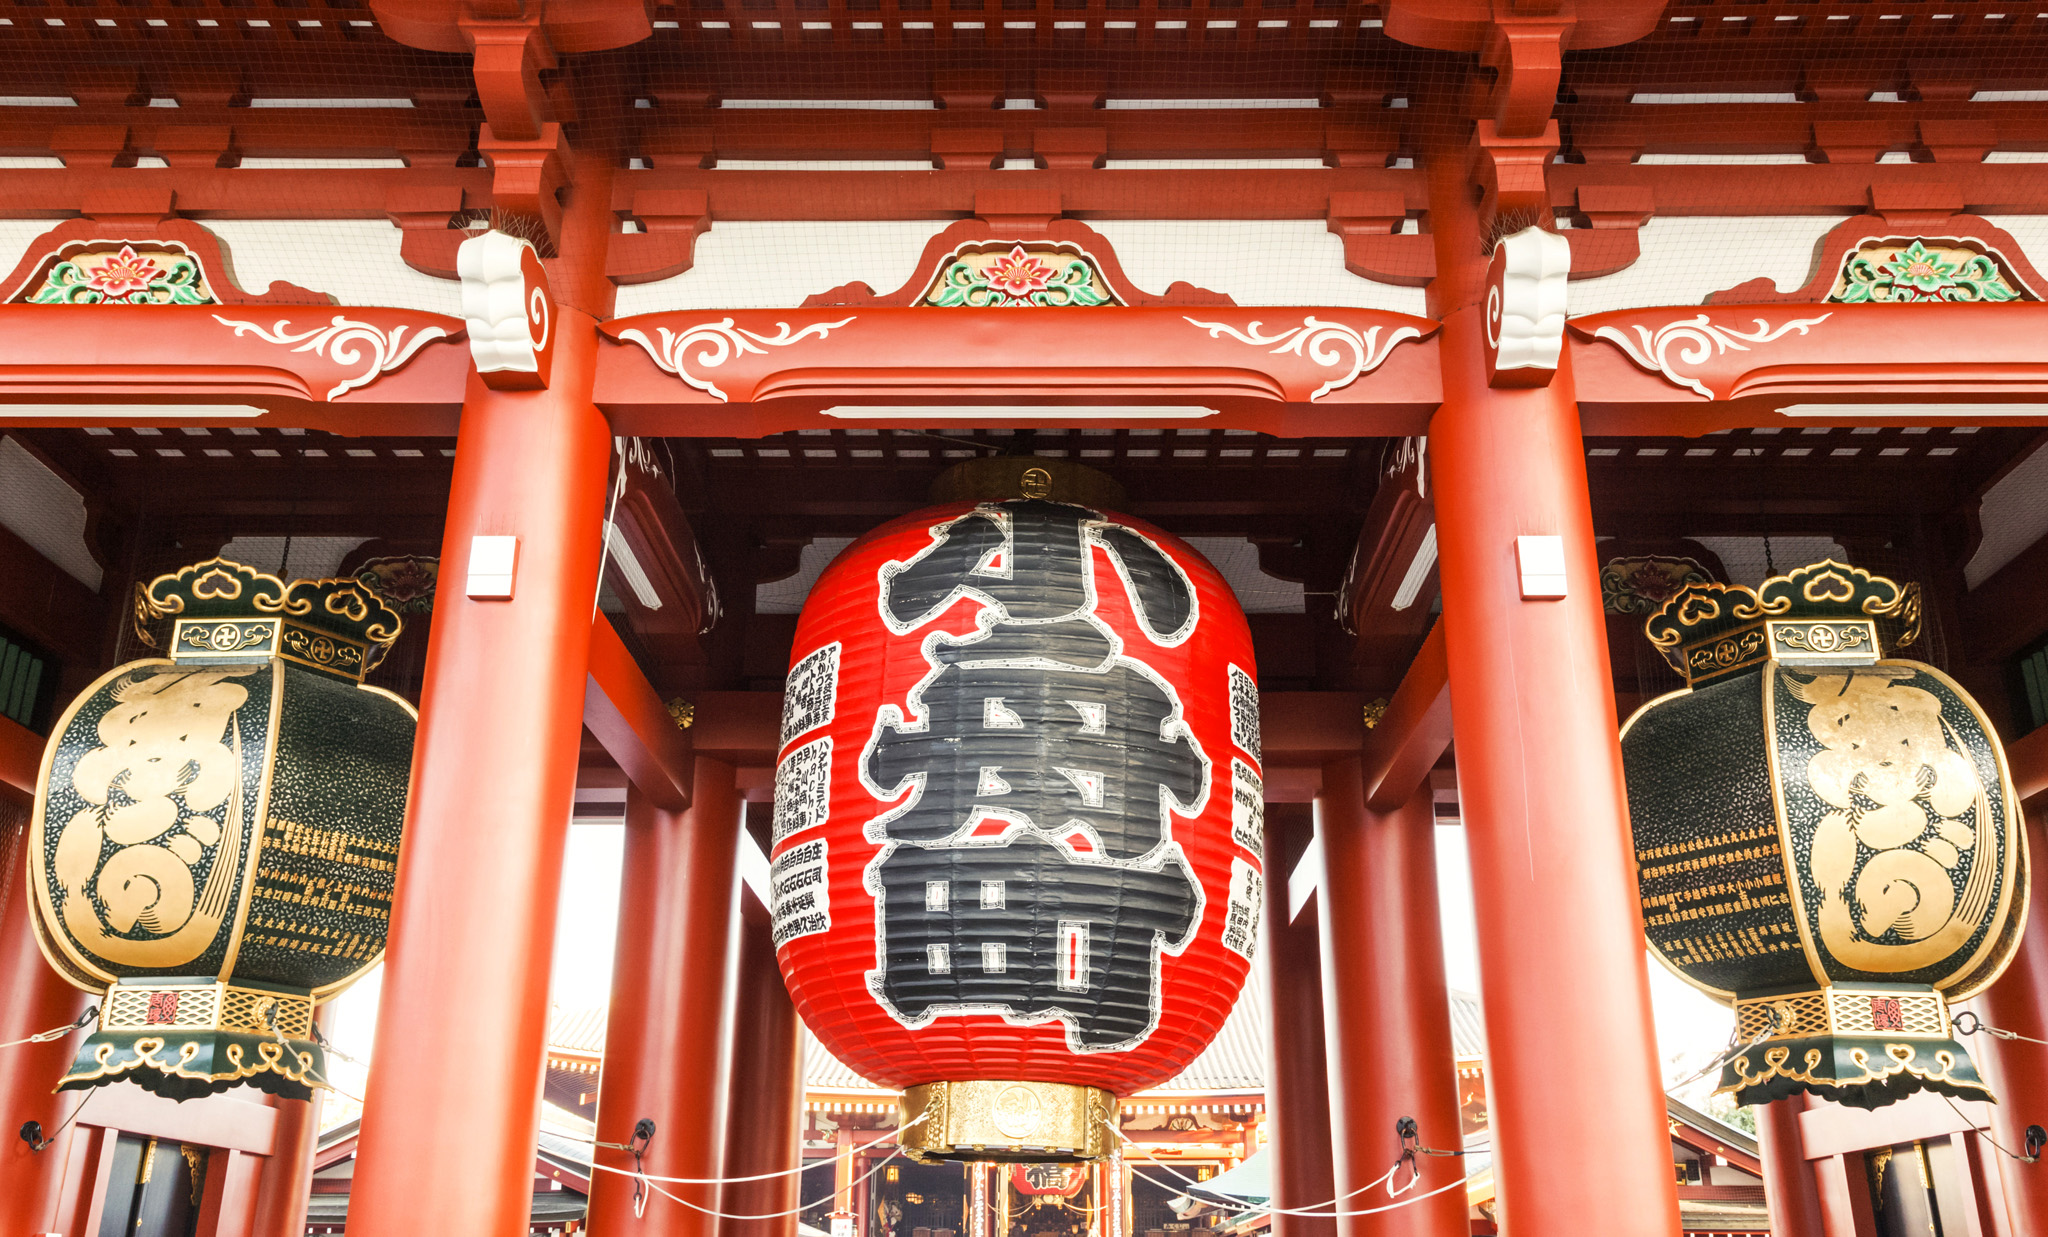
506	302
1525	308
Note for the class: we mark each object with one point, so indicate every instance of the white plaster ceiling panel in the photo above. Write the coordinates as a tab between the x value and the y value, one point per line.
15	235
1749	565
786	596
1237	559
354	260
2031	231
1254	261
310	558
1686	259
2014	516
776	264
36	506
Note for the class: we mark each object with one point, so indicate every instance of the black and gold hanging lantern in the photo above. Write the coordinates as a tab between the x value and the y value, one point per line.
1825	838
216	835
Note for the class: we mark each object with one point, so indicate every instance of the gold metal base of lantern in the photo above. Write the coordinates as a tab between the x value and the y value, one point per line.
1013	1122
1894	1011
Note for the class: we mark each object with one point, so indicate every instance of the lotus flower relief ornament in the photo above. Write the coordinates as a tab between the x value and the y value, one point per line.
1017	274
1884	275
123	273
1825	838
1017	278
126	277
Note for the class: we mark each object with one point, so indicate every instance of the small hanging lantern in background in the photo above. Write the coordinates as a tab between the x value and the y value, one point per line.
1016	853
216	836
1824	838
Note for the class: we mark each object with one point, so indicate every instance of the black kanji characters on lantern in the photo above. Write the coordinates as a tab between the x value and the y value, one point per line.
1023	928
1031	868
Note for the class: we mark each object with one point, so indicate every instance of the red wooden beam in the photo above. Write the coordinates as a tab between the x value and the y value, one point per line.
628	716
743	727
46	605
215	1121
1296	727
1414	731
2027	756
1308	728
21	757
2003	614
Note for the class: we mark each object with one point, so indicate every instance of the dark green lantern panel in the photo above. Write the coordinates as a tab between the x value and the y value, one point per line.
216	835
1826	839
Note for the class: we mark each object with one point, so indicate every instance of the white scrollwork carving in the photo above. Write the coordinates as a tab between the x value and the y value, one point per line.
1525	309
509	322
718	342
1322	342
1697	340
344	342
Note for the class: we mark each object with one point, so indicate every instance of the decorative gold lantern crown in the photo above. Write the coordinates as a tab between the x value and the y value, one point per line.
1827	839
216	836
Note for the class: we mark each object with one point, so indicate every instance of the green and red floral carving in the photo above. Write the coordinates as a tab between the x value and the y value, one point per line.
124	278
1018	278
1917	273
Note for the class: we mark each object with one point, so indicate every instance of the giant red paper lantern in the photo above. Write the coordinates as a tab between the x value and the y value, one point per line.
1016	856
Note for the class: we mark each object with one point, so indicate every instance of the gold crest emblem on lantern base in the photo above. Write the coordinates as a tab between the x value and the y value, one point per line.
1021	1122
1891	1011
207	1007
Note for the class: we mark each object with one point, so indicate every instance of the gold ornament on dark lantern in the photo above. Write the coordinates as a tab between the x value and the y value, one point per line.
1825	838
216	835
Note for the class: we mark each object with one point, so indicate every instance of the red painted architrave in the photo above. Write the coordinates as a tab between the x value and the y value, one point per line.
1964	231
1286	369
350	369
584	26
976	234
628	717
1296	729
21	757
1690	369
44	251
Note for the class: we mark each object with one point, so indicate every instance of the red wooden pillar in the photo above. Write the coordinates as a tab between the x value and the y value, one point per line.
2019	1070
1387	1011
33	998
664	1041
453	1105
1297	1073
764	1088
227	1203
284	1183
1789	1187
842	1172
1570	1044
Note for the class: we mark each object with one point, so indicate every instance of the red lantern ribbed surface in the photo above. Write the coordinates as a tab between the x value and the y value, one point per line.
1018	802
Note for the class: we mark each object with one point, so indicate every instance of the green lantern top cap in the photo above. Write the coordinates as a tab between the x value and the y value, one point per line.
1824	613
229	612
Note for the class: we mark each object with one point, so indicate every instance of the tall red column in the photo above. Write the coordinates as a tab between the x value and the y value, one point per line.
1386	1008
665	1038
764	1092
1570	1044
1297	1073
2019	1070
1789	1186
453	1104
284	1185
33	998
